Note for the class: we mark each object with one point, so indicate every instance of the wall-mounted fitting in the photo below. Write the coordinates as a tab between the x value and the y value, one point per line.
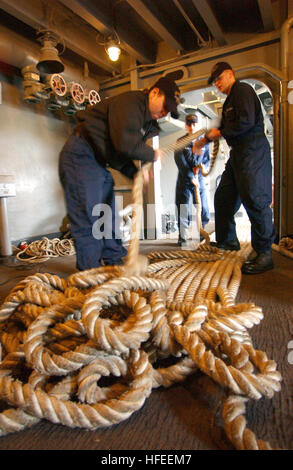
49	61
76	97
57	90
92	97
34	90
58	94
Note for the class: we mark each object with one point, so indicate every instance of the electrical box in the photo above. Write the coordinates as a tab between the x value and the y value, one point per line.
7	186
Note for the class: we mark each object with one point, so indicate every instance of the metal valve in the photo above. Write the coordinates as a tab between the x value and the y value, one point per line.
77	93
93	97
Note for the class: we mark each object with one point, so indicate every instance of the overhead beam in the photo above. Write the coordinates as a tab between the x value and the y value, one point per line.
137	46
266	11
143	11
81	42
210	20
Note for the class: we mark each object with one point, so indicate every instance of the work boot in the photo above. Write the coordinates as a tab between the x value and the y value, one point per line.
252	257
232	245
263	262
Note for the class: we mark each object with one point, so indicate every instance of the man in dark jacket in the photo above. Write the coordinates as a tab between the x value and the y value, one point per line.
187	161
247	178
111	133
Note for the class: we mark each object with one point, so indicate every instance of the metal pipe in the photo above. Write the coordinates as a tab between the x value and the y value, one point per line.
284	125
191	58
6	249
285	44
188	20
277	164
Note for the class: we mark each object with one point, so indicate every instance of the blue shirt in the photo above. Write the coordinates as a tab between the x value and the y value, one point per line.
185	160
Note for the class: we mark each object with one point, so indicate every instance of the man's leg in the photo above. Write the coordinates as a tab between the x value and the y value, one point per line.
227	202
113	249
182	204
205	213
83	181
255	187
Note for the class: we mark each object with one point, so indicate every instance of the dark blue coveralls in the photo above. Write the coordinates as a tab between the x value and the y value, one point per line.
110	133
247	178
185	160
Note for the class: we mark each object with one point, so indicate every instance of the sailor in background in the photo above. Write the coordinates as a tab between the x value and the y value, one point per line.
187	162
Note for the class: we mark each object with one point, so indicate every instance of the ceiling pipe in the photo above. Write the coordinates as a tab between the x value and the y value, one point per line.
285	45
20	52
202	42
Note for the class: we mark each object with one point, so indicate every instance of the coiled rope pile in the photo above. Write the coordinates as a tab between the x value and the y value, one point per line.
61	336
44	249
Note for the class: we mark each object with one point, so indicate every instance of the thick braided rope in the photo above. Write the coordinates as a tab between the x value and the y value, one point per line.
34	294
93	277
187	255
214	154
285	247
116	339
39	357
210	316
136	264
235	425
88	377
240	383
233	318
162	335
165	377
12	420
45	279
42	405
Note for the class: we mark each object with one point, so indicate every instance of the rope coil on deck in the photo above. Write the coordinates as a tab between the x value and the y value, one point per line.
42	250
61	336
285	247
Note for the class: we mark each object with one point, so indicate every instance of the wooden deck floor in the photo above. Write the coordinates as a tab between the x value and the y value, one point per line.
185	416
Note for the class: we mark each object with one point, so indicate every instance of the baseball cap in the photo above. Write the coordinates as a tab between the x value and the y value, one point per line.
217	69
172	95
191	119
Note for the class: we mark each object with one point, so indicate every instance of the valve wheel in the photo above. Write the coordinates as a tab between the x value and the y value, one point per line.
77	93
58	85
94	97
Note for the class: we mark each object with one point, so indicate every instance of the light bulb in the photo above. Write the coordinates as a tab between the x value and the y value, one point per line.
113	52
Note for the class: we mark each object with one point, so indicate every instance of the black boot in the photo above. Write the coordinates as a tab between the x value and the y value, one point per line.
232	245
263	262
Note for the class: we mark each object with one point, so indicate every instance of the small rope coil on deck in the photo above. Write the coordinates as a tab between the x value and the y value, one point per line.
42	250
285	247
123	321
